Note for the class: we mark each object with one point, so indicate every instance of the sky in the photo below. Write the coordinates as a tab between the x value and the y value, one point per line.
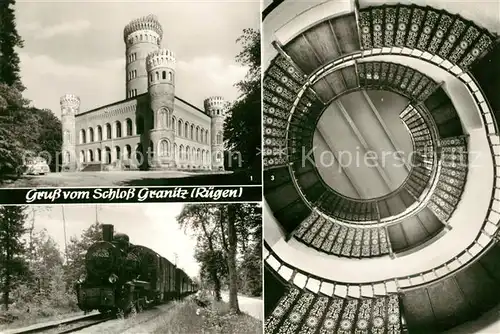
77	47
153	225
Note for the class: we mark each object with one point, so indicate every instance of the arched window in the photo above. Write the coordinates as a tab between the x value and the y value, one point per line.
107	152
219	137
186	129
128	152
82	156
164	75
170	76
151	77
108	131
164	148
173	123
117	153
191	133
91	156
83	137
181	152
163	119
99	133
67	136
219	156
188	153
179	128
151	151
157	75
198	156
198	133
67	157
128	125
99	154
118	129
175	152
91	135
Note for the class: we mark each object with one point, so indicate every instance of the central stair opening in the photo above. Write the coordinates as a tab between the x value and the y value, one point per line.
362	148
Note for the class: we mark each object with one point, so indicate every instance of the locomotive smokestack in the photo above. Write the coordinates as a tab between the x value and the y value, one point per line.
107	232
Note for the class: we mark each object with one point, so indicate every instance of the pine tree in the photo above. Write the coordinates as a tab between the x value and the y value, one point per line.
9	40
12	264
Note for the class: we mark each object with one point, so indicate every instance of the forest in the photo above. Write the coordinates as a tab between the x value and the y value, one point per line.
37	275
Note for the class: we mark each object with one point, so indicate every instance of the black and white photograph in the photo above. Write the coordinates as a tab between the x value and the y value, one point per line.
381	158
148	268
123	93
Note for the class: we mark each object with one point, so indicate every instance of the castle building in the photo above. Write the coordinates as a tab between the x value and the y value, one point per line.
151	128
355	242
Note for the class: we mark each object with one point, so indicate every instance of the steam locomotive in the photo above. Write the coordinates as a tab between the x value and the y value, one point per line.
123	278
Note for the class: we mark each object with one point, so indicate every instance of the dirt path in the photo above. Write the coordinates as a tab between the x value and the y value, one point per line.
251	306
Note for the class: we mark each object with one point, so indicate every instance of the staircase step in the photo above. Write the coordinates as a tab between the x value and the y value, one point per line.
301	311
435	31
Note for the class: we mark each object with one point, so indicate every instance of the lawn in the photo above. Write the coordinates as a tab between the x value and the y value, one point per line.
184	319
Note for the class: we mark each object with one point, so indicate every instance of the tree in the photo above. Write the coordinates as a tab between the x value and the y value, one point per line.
248	223
243	125
77	248
11	145
229	244
12	265
199	219
9	40
231	257
45	258
49	135
23	129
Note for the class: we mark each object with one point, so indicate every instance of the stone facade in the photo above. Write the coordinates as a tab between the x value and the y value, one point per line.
152	128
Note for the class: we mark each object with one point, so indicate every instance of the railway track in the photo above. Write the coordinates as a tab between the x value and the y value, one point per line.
65	326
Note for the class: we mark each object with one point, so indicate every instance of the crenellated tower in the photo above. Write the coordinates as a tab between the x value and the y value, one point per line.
161	87
70	106
142	36
216	108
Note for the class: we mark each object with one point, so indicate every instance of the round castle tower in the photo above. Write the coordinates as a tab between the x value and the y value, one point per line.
160	67
70	106
142	36
216	108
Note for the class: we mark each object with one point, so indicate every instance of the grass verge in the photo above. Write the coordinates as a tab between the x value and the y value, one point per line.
183	318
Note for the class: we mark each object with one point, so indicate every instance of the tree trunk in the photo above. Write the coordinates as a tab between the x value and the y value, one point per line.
8	254
216	280
213	271
231	261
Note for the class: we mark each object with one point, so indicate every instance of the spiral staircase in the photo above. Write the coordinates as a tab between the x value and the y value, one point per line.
408	243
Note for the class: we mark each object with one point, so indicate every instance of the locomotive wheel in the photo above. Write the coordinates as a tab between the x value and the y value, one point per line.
140	306
132	312
120	314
